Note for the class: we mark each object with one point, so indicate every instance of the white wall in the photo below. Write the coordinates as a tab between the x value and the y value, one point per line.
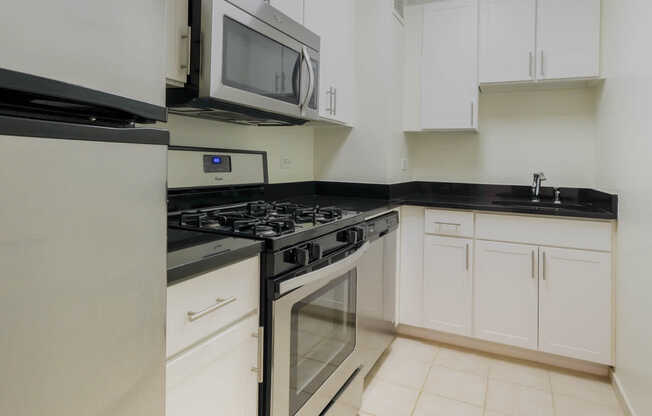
520	132
370	152
291	143
625	167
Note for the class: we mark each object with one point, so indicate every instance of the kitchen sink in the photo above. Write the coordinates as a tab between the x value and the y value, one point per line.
547	205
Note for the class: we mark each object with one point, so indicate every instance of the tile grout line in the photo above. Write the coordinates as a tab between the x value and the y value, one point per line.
423	385
552	394
486	395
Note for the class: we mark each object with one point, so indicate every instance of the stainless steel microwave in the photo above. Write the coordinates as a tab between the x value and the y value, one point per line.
255	65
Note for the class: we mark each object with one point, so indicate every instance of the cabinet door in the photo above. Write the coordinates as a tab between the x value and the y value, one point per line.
178	42
292	8
568	39
506	287
575	318
507	40
216	377
447	284
411	271
333	21
449	65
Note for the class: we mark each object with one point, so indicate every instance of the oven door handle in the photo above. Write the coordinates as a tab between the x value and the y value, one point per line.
331	271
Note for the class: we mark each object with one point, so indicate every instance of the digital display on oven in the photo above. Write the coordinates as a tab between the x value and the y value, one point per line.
217	163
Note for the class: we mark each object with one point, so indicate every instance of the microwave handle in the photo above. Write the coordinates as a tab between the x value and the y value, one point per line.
332	271
311	77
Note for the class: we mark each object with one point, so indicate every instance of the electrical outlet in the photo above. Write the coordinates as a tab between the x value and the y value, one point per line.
404	165
286	162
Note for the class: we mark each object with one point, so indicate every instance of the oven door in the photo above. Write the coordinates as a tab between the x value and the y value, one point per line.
315	334
248	62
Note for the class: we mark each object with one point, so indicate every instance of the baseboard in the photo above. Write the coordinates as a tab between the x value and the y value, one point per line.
622	396
505	350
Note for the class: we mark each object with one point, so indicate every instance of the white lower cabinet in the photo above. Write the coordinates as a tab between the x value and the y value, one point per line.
216	377
505	280
506	293
575	304
447	284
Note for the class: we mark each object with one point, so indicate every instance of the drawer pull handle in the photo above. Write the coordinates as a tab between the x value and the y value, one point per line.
259	369
193	316
533	262
447	227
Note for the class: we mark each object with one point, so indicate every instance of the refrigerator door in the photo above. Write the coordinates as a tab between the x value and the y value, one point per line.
82	273
116	47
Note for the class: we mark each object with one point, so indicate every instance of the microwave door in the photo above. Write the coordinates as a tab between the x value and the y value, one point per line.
250	63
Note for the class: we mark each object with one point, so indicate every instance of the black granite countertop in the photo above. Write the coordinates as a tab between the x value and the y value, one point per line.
191	253
372	199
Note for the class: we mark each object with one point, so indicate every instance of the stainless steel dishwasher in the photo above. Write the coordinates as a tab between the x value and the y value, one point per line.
377	274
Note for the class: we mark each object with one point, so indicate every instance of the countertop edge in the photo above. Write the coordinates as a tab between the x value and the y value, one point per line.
188	271
511	210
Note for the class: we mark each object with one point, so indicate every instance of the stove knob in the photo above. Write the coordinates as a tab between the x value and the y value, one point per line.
352	235
301	256
316	252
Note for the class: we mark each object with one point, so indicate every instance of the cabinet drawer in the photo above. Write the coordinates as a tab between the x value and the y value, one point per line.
590	235
235	286
216	377
455	223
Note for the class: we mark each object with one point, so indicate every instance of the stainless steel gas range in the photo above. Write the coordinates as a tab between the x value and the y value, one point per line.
309	308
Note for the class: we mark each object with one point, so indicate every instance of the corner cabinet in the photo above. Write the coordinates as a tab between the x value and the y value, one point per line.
446	65
334	22
538	40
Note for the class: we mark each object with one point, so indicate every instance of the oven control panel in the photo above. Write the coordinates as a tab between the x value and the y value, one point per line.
217	163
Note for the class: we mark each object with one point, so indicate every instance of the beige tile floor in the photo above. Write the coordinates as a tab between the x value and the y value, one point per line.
417	378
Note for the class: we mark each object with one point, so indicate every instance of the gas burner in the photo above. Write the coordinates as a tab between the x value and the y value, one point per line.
193	219
258	208
285	207
260	219
317	215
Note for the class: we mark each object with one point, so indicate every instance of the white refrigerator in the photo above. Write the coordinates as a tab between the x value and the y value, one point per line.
82	208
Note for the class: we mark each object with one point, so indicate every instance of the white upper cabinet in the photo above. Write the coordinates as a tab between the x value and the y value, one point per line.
506	287
333	21
447	284
575	304
292	8
539	40
449	66
178	42
568	39
507	40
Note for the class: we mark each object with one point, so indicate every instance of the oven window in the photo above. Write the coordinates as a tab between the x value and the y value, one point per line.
323	335
255	63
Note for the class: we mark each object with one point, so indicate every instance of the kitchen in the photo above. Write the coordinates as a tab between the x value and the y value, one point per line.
309	207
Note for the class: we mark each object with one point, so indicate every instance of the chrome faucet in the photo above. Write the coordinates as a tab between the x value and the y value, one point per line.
538	177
